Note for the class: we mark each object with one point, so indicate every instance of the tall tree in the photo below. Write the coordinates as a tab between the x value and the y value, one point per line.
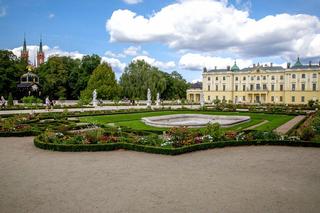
104	81
138	77
11	68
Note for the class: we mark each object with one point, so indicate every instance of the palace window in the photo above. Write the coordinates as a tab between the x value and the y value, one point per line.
243	87
293	76
244	78
252	78
217	78
264	86
258	78
281	87
208	87
302	98
314	75
272	87
281	77
293	98
217	87
293	87
272	98
264	78
236	78
303	75
280	98
272	77
224	78
244	98
314	87
257	86
236	88
303	87
209	78
251	87
224	87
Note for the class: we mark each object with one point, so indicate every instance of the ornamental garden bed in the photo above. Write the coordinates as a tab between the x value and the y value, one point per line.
172	142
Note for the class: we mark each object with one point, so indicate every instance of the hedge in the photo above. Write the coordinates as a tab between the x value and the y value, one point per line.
162	150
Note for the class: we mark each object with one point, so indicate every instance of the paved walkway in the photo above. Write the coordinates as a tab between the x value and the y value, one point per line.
6	112
234	179
284	128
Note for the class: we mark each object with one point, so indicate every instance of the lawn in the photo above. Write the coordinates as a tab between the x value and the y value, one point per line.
133	120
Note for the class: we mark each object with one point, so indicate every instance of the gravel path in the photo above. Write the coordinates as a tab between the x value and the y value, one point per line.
283	129
234	179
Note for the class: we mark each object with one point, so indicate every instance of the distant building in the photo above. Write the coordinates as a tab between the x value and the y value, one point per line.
29	84
295	84
25	54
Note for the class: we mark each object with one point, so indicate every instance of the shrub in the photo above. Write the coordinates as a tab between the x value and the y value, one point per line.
316	124
31	100
10	100
307	133
180	136
92	137
261	135
150	140
214	131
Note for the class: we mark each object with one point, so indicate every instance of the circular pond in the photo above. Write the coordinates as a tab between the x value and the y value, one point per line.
193	120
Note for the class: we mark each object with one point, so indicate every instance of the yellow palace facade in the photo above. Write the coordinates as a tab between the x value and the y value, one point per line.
295	84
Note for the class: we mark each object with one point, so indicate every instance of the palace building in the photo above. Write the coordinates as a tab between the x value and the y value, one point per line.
295	84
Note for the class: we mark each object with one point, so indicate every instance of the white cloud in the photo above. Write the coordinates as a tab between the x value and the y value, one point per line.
114	55
3	11
132	1
132	50
209	25
192	61
51	15
115	63
160	64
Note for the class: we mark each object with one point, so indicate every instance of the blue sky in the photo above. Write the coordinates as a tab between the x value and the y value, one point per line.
167	34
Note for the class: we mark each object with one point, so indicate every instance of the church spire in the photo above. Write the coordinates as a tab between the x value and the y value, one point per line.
40	46
24	43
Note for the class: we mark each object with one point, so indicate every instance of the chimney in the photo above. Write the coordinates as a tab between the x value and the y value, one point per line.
288	65
310	63
204	69
228	68
271	64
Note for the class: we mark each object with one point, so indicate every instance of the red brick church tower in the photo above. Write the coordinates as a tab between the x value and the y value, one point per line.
40	54
24	51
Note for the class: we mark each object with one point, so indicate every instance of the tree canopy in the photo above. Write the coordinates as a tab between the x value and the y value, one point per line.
104	81
139	76
11	68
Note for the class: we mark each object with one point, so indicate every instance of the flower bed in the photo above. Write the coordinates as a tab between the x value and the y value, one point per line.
174	141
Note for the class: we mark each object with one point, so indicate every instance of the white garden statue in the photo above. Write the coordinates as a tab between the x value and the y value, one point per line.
149	98
158	99
94	98
202	100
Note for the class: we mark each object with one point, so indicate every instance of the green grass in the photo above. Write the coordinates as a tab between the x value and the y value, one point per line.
133	120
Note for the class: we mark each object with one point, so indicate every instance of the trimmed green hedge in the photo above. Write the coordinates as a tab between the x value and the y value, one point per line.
162	150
